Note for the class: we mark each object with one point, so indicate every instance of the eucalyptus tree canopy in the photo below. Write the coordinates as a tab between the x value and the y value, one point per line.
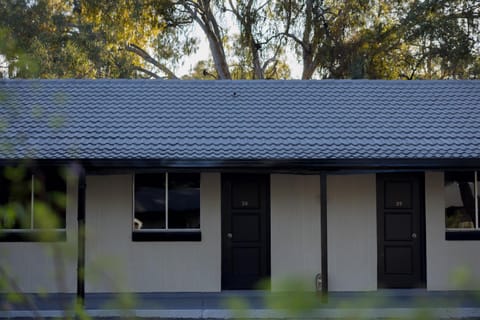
247	39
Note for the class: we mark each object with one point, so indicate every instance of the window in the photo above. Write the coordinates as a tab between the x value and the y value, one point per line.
32	203
166	206
462	204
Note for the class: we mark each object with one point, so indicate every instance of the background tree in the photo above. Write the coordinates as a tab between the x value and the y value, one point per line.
258	46
247	39
82	38
443	38
377	39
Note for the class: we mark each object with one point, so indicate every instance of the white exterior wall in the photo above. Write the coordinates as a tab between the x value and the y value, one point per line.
352	232
446	258
45	267
295	229
196	266
115	263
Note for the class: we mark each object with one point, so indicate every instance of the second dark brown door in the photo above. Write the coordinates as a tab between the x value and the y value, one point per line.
400	226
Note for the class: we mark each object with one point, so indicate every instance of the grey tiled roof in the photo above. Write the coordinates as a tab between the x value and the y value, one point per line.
152	119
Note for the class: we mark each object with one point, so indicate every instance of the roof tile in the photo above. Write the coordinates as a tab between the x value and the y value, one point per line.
150	119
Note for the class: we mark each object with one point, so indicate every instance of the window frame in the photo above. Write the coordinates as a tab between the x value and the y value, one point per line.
466	233
33	234
164	234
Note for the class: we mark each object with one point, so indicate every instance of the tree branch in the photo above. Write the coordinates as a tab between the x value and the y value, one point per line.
147	72
147	57
296	39
260	7
16	288
266	63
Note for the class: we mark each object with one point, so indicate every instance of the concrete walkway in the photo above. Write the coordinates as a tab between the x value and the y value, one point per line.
405	304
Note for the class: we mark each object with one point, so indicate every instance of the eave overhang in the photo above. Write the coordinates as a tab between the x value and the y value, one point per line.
261	165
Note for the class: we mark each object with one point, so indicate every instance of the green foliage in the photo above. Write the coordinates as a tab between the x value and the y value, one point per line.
385	39
297	299
76	39
79	312
17	61
15	174
461	278
125	302
238	306
14	297
443	37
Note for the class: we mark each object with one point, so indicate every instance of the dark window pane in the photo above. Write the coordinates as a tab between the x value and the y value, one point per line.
149	201
50	199
184	200
15	198
459	200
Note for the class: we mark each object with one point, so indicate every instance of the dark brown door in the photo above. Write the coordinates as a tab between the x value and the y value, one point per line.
400	226
245	230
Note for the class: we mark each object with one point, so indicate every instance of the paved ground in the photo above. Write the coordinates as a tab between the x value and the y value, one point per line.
410	304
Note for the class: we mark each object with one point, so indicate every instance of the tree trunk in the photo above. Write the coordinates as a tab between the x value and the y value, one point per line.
307	48
218	55
308	71
202	14
308	65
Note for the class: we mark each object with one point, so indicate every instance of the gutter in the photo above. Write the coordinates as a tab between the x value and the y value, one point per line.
267	165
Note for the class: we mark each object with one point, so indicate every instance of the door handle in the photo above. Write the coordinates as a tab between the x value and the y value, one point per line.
414	235
229	235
